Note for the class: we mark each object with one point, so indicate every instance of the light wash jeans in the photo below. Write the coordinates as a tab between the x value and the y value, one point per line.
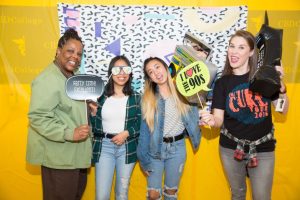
171	165
261	177
112	157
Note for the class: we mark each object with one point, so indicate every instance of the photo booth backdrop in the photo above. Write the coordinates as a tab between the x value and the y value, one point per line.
143	31
28	39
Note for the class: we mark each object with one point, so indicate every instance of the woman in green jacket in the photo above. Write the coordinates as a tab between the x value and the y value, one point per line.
58	137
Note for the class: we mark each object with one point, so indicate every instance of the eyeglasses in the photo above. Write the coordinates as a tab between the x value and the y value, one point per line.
117	70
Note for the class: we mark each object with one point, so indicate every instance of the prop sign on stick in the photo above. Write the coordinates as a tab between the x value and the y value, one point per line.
84	87
193	78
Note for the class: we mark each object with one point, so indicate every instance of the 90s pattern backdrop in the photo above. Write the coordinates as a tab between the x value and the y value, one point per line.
139	32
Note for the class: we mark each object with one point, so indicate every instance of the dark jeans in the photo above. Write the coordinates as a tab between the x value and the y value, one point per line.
63	184
261	177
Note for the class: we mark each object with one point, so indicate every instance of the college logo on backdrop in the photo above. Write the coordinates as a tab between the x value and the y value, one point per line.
139	32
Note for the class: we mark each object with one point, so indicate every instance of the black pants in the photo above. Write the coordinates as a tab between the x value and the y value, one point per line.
63	184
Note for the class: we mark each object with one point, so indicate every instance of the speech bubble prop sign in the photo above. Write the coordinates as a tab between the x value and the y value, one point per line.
193	78
83	87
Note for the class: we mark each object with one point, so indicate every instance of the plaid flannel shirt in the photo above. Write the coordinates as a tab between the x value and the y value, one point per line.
252	144
132	125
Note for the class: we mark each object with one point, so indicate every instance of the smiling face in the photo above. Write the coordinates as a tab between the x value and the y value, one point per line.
69	56
239	53
121	78
157	72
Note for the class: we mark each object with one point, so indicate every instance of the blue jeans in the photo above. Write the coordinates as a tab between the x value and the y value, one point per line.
112	157
171	164
261	177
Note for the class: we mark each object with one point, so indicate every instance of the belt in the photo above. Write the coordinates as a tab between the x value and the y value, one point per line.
107	135
173	138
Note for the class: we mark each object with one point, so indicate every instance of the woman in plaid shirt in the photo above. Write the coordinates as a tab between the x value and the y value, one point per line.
116	124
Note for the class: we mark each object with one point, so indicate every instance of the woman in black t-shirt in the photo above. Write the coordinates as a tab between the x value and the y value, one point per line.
246	141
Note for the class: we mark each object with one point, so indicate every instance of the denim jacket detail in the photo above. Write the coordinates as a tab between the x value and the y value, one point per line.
150	144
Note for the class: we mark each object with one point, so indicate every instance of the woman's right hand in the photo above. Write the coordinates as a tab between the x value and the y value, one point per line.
147	173
93	107
81	132
206	118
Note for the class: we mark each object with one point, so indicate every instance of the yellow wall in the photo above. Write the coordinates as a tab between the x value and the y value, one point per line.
28	37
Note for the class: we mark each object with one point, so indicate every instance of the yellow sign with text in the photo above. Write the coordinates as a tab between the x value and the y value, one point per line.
193	78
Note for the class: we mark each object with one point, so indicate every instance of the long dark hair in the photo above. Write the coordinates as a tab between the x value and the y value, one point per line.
109	87
252	59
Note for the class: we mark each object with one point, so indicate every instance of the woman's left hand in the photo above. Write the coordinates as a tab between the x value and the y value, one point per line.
280	70
120	138
281	75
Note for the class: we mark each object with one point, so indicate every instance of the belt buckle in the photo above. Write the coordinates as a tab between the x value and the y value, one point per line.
170	139
106	135
173	139
167	139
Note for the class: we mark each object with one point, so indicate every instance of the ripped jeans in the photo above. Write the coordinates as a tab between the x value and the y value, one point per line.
171	165
112	158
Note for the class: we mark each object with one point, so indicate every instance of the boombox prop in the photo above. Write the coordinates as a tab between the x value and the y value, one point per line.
192	50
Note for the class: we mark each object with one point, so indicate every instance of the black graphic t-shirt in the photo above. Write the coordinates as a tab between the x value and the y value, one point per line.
247	115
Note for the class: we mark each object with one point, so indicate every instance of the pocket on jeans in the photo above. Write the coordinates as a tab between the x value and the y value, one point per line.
180	146
106	143
180	143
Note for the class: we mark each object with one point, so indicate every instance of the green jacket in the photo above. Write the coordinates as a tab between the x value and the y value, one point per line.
53	116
